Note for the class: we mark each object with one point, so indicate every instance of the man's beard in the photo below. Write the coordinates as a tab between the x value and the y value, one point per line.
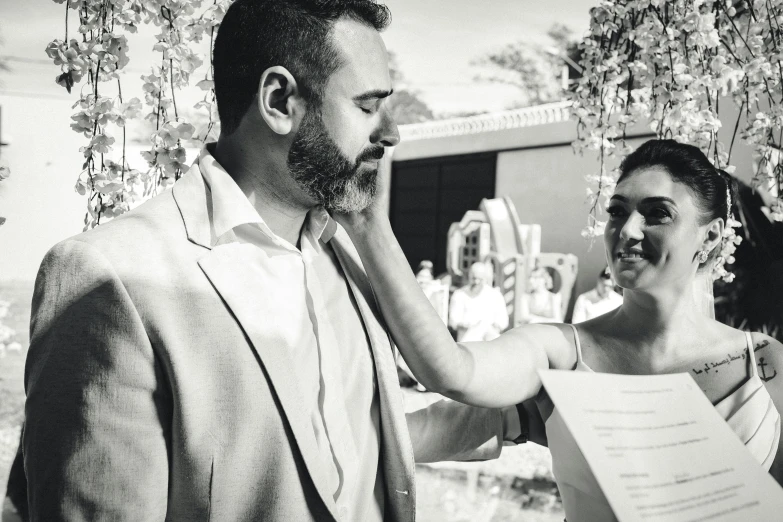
326	174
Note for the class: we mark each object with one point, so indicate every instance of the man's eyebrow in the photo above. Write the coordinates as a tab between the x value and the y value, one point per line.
373	95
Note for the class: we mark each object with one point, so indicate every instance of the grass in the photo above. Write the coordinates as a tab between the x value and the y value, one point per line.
12	373
518	486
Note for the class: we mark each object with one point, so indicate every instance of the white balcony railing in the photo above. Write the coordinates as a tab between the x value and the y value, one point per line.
494	121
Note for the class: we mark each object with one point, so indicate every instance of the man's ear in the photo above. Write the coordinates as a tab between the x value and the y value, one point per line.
714	234
279	101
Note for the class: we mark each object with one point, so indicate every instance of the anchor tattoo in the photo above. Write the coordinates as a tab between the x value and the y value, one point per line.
764	377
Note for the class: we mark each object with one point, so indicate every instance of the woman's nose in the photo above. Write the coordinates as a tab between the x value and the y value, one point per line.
632	229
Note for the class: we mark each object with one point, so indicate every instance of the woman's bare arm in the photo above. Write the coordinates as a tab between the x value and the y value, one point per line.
769	359
495	373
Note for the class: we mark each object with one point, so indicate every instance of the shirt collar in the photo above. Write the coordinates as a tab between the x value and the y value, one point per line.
321	224
231	208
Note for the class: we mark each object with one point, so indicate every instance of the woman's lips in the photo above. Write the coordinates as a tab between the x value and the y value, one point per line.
632	257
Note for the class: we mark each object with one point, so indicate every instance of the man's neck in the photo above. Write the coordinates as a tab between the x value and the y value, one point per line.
270	190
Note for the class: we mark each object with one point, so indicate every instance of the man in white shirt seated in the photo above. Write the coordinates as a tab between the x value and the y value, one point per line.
478	310
598	301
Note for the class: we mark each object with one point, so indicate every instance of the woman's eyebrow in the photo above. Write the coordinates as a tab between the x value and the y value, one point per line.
659	199
651	199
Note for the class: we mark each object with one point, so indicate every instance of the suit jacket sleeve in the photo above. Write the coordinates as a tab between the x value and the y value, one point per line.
96	429
448	430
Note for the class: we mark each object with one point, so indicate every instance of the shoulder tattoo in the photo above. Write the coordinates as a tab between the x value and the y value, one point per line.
767	371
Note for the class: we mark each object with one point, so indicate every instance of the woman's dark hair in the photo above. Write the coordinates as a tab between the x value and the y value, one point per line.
296	34
687	165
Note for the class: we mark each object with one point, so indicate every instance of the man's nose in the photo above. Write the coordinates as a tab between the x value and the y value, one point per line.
387	133
632	229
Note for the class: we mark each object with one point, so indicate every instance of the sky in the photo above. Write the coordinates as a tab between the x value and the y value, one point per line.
434	41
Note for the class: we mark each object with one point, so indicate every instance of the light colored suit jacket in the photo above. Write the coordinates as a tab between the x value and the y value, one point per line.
154	392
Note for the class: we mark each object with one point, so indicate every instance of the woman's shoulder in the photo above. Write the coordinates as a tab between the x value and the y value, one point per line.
768	353
771	350
762	341
722	337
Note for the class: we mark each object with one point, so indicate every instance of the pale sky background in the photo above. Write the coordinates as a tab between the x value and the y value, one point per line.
434	41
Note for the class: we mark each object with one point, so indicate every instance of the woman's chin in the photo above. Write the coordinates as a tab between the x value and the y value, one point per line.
629	278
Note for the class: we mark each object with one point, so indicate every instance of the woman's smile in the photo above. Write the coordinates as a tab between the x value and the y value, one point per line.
632	256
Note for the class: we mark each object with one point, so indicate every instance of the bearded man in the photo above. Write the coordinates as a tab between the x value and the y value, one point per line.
217	353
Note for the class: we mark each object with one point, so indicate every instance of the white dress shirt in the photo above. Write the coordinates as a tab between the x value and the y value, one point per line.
322	329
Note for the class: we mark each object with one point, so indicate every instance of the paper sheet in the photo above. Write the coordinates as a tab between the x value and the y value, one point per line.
660	451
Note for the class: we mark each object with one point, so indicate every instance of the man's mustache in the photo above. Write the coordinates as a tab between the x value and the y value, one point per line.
375	152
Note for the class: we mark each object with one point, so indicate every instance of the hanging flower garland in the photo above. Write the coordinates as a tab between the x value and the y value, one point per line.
672	63
666	62
96	57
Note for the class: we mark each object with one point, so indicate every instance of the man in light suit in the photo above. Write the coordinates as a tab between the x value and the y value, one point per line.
217	353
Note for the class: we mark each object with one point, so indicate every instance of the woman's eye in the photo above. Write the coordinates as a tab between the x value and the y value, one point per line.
615	212
367	110
659	214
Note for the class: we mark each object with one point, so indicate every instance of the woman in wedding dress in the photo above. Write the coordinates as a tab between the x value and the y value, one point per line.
665	229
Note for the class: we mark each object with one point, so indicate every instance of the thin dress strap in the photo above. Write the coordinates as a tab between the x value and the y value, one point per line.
578	344
749	341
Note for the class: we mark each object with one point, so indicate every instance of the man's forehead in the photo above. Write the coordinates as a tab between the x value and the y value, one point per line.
363	56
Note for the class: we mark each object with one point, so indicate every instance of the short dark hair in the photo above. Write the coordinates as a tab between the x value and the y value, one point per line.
296	34
688	165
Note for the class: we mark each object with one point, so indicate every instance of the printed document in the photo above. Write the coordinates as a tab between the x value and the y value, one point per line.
660	451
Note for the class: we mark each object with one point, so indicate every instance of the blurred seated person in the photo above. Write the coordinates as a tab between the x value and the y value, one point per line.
477	311
540	304
436	290
424	272
598	301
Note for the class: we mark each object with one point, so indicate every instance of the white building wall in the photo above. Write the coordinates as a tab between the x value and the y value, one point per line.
38	199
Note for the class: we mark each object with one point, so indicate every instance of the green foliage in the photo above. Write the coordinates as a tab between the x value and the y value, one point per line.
405	105
535	69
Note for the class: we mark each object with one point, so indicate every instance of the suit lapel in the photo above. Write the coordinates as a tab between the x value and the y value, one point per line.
230	269
397	452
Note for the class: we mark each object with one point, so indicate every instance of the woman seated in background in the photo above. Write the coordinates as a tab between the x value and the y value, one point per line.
540	304
666	223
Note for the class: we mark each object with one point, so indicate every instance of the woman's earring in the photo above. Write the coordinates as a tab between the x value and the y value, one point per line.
702	256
